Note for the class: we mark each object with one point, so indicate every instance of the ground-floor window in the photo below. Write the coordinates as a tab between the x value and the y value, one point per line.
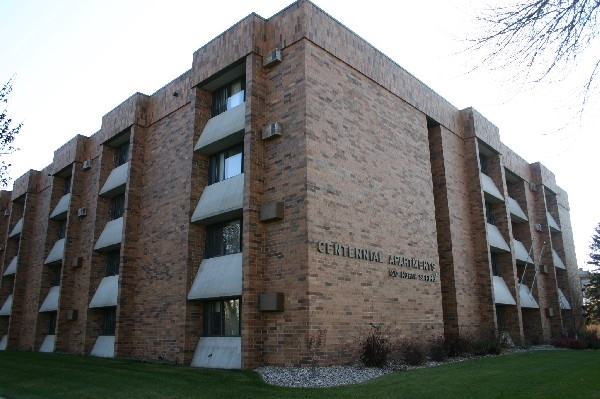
222	318
500	317
52	323
109	321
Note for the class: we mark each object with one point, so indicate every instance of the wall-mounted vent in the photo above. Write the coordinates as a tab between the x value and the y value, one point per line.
1	247
272	58
82	211
544	269
533	187
271	131
72	314
550	312
87	164
77	262
271	211
537	227
6	212
271	302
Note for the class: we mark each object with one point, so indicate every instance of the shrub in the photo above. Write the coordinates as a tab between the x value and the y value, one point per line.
568	342
437	349
459	345
315	342
375	348
413	353
487	346
592	338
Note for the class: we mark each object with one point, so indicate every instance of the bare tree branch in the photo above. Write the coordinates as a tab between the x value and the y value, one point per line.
544	37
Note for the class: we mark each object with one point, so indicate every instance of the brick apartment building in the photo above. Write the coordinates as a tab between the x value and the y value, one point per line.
294	179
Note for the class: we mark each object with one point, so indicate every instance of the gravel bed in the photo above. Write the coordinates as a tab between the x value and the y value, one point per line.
322	377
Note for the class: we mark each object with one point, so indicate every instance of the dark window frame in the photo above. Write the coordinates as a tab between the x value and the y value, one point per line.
216	240
216	324
122	154
113	261
495	260
67	187
52	323
221	95
489	213
484	164
117	206
108	323
218	161
62	229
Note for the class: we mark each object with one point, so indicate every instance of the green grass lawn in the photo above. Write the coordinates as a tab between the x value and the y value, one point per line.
536	374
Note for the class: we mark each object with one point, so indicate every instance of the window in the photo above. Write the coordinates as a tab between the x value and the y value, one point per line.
67	188
223	238
495	264
62	229
489	213
228	96
117	206
109	321
226	164
222	318
52	323
56	275
500	317
483	161
112	263
122	154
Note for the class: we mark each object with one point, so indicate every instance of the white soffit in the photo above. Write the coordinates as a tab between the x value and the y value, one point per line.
57	252
489	188
6	308
527	299
495	239
111	236
115	184
502	294
552	223
218	133
516	212
17	229
51	302
61	208
218	277
521	253
48	344
3	342
562	300
104	346
221	200
557	260
107	293
12	267
218	352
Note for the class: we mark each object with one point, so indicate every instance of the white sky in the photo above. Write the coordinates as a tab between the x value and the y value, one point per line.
76	60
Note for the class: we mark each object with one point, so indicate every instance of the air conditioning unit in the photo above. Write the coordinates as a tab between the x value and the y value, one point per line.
271	131
87	164
272	58
537	227
6	212
82	211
